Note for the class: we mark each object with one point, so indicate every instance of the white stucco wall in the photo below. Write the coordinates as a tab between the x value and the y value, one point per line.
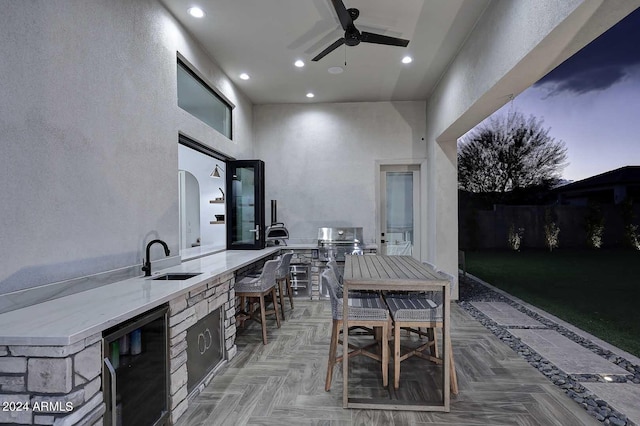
320	159
89	129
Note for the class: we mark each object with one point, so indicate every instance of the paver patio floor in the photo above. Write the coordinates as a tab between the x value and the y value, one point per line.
505	314
624	397
565	354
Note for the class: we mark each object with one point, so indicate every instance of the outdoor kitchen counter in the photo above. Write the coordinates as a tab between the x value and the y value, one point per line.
69	319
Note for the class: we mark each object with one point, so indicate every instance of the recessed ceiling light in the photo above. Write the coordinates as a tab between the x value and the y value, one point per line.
299	63
407	60
310	95
335	70
608	379
244	76
196	12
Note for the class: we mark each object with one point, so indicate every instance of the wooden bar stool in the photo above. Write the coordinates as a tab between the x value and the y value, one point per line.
363	312
283	278
258	288
412	311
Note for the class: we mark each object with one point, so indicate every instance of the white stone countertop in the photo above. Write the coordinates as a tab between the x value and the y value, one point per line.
69	319
314	245
298	246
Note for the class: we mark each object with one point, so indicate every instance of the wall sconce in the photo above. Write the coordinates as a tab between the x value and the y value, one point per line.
216	172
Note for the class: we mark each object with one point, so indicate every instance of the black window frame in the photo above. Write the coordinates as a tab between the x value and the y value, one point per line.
211	90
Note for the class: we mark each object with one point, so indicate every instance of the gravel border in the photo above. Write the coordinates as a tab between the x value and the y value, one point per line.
474	291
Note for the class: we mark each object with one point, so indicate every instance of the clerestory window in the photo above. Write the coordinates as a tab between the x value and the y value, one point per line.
201	101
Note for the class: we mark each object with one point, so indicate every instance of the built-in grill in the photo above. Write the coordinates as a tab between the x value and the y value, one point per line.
335	243
276	232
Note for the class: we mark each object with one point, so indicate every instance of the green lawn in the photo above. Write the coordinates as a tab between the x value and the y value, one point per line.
595	290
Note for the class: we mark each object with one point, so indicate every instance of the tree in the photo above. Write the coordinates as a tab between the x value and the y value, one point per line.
507	153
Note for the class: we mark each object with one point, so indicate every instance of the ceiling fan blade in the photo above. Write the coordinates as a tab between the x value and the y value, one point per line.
329	49
343	15
383	39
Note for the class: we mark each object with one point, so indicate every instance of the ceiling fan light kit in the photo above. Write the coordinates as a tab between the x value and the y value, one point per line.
353	37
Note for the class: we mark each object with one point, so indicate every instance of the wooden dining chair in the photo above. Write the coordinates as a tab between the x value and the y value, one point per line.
249	289
413	311
362	312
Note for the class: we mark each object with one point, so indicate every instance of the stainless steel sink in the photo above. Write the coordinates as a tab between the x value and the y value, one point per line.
177	276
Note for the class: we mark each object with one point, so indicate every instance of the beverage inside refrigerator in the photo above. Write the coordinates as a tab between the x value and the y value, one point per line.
135	373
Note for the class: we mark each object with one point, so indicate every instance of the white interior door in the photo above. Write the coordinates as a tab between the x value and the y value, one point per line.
400	210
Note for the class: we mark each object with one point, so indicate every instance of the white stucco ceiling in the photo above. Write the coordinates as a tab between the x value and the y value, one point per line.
264	37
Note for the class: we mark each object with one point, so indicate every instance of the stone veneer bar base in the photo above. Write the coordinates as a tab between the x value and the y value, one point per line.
184	312
60	384
67	380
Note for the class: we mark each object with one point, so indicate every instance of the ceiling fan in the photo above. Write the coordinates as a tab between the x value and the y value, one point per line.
353	37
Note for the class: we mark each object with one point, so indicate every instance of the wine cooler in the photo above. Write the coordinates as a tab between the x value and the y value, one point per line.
135	375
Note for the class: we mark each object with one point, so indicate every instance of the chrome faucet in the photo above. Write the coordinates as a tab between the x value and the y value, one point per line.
147	263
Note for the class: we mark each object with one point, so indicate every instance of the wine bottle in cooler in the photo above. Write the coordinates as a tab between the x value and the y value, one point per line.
136	342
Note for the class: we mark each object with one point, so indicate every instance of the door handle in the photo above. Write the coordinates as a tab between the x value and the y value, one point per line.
112	373
257	231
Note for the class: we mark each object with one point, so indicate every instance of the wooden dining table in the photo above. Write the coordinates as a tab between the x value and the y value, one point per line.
394	273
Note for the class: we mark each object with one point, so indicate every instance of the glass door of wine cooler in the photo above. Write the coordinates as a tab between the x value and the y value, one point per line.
135	378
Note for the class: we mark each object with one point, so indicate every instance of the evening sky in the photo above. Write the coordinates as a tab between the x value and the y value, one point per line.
592	102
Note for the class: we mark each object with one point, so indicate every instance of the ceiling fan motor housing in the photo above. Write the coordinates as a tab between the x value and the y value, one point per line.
352	37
